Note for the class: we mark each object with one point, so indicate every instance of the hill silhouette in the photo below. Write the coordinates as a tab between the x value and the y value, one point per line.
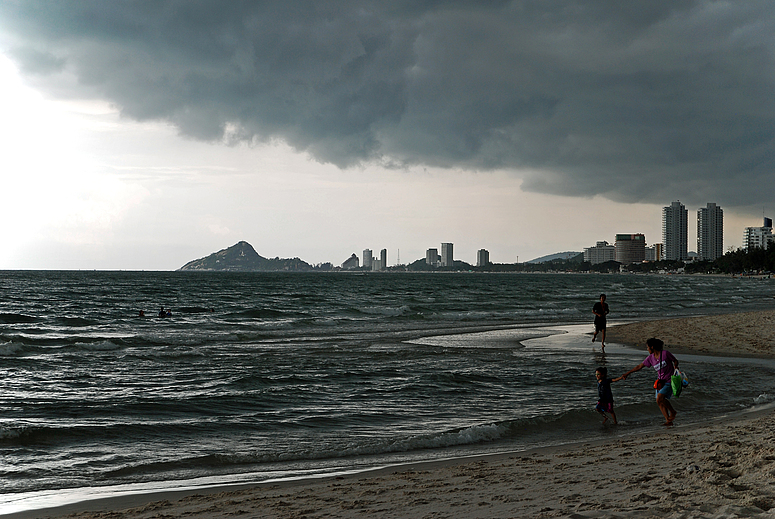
242	257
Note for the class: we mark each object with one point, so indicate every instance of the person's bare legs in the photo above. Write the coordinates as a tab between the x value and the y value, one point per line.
602	339
671	411
667	409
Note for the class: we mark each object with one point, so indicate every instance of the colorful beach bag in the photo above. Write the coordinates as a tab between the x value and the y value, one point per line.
678	381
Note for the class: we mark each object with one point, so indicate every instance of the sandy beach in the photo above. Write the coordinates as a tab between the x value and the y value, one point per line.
723	469
750	334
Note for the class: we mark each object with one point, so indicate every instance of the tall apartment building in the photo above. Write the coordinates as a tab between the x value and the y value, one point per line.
710	232
432	257
600	253
630	248
446	255
383	258
482	258
367	258
760	237
674	232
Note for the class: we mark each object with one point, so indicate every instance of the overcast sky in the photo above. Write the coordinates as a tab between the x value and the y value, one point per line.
142	135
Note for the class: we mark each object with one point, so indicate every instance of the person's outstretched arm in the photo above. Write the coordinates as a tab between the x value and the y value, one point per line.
633	370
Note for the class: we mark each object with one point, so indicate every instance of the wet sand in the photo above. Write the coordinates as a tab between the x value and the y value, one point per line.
723	469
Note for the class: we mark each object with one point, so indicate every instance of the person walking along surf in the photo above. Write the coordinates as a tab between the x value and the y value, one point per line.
665	364
600	309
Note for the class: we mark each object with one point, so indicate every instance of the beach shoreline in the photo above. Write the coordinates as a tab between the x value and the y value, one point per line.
725	466
719	469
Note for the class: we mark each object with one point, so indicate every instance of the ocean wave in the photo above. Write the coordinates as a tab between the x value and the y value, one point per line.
25	434
385	310
74	322
195	310
10	433
266	313
17	319
477	434
100	345
467	436
326	450
25	346
10	348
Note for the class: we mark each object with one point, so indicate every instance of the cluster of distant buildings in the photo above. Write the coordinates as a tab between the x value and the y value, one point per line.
631	248
445	259
432	258
369	261
628	248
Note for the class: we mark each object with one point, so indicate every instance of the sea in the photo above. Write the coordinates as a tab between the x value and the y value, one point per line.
274	376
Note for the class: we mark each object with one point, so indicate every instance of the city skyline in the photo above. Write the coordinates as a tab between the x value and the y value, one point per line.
139	136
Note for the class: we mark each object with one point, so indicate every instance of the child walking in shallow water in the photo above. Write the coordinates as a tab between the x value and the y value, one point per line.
605	403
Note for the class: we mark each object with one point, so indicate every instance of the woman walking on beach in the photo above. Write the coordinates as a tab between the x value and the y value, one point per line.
665	364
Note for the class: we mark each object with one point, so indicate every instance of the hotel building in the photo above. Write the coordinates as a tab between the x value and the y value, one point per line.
600	253
630	248
760	237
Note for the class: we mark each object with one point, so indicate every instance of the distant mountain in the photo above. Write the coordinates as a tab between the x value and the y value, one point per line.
558	256
242	257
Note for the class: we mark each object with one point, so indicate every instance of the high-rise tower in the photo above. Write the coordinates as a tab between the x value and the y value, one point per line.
710	232
674	232
482	258
446	255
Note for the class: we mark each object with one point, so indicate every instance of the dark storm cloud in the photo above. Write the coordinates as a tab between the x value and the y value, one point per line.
637	101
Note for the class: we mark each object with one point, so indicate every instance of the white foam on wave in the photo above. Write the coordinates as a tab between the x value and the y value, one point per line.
384	310
98	346
467	436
